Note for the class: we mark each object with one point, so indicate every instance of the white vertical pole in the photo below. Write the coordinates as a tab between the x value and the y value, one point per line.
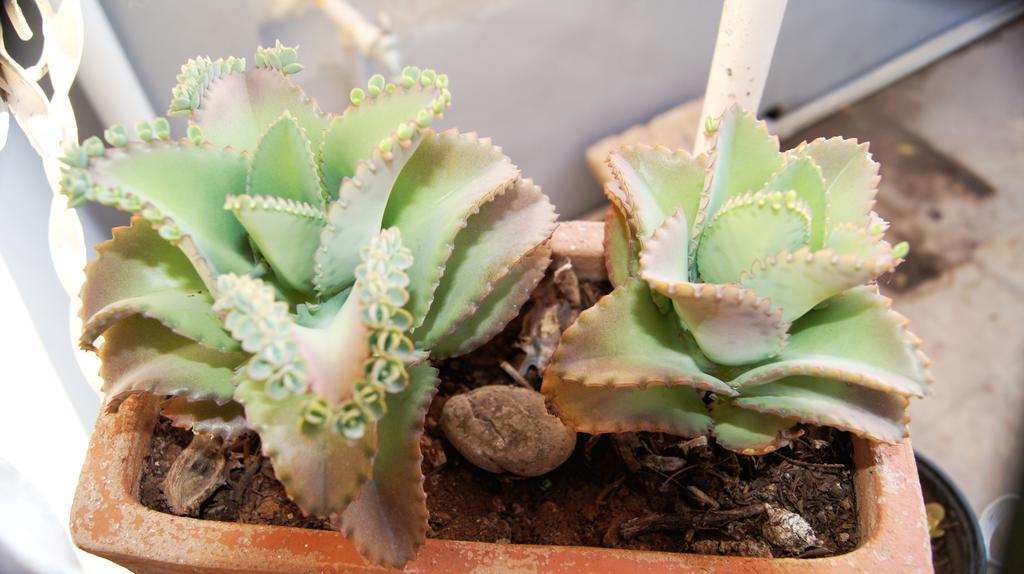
743	53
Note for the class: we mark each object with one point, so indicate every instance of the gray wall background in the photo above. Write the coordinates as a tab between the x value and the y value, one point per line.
545	78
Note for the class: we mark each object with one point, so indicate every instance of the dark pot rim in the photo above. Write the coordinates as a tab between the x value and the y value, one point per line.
956	504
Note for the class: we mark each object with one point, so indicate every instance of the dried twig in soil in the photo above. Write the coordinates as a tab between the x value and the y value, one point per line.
681	522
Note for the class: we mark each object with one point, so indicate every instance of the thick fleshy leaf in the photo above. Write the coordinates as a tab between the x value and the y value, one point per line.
748	228
181	188
674	409
356	216
851	178
486	251
796	282
321	470
732	325
286	232
802	175
226	421
449	178
283	165
137	272
749	432
354	135
497	308
746	156
857	338
623	341
141	355
388	521
620	250
866	412
665	254
238	108
658	181
863	242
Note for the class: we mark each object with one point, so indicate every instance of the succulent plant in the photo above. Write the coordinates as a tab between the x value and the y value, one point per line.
291	271
745	299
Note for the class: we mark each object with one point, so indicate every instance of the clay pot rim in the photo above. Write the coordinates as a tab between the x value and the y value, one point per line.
107	518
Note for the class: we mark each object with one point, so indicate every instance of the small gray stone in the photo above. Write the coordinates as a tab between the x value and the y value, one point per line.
789	530
507	429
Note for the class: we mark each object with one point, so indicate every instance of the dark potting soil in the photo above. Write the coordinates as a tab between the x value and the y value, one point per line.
647	491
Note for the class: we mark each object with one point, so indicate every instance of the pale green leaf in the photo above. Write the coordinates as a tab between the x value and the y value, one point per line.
749	432
866	412
449	178
283	165
851	178
802	175
748	228
354	135
186	185
624	341
354	218
657	182
287	233
746	156
796	282
857	338
137	272
140	355
499	306
494	240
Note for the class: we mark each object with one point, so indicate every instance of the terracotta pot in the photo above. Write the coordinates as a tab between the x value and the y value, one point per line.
108	519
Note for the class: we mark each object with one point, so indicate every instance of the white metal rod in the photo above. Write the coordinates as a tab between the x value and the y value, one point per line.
896	69
743	54
106	75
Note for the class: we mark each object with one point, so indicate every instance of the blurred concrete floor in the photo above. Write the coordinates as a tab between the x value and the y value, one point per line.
950	140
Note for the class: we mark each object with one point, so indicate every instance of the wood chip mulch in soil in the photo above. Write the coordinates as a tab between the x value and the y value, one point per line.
645	491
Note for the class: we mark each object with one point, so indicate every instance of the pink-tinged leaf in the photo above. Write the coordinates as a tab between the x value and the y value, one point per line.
620	249
623	341
878	415
490	249
856	338
321	470
137	272
388	520
502	304
665	255
656	182
676	409
732	325
226	421
749	432
140	355
237	108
